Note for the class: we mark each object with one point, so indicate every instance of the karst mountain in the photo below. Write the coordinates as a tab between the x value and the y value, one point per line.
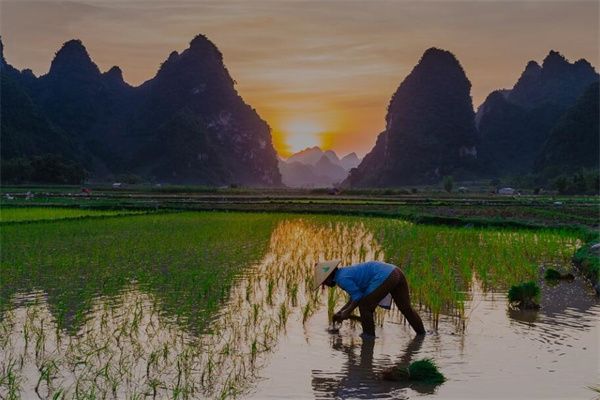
430	128
515	124
187	124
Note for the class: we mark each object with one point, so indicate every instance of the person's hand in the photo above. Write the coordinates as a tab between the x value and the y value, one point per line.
340	316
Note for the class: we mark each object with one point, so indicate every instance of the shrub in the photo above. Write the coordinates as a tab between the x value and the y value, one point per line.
448	183
583	181
552	274
525	295
48	168
587	260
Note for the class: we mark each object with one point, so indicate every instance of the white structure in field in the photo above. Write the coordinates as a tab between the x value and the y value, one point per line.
507	191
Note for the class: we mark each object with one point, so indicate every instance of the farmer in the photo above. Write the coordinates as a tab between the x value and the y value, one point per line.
367	284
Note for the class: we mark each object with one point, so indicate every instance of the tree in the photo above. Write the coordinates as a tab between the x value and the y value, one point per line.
561	183
16	170
49	168
448	183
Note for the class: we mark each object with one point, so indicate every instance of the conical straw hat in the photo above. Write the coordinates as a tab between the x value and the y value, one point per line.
323	270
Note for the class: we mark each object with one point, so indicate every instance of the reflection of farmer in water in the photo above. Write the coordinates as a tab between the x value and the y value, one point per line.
367	284
361	374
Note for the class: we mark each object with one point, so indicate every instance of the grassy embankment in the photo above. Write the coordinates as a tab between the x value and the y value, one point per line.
431	207
36	214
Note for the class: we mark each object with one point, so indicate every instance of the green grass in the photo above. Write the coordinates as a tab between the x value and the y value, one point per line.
22	214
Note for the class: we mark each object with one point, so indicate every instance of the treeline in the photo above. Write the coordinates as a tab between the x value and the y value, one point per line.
581	181
49	168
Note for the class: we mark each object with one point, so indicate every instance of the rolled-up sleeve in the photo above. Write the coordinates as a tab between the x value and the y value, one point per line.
349	286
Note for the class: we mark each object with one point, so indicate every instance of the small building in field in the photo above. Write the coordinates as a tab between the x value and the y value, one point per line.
508	191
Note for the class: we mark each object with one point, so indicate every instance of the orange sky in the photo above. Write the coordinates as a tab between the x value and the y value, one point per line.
320	72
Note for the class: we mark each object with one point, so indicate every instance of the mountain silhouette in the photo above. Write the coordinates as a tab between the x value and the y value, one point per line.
514	124
187	124
350	161
574	142
310	156
430	128
313	167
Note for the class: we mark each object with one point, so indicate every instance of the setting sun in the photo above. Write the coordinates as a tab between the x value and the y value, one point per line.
299	134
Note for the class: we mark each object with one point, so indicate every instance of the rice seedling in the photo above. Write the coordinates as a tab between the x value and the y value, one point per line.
333	295
283	314
594	388
306	313
270	286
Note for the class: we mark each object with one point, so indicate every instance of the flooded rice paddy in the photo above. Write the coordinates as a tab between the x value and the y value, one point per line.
218	305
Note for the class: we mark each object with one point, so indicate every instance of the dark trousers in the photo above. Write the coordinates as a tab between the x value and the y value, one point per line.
398	287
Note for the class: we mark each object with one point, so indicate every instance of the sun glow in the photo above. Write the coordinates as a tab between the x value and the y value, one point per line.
301	134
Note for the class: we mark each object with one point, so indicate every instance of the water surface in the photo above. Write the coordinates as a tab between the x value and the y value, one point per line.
143	335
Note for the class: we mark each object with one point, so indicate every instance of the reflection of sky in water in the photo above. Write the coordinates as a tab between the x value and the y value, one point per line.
259	346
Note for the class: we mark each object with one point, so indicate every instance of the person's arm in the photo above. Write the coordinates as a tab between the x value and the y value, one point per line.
355	293
345	311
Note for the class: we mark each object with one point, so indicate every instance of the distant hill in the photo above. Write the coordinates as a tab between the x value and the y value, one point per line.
313	167
188	124
574	142
350	161
309	155
430	128
514	124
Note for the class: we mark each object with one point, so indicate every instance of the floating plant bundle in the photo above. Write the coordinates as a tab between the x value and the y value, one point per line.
554	275
423	371
524	296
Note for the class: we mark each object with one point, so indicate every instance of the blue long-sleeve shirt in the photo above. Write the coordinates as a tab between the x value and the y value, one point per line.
361	279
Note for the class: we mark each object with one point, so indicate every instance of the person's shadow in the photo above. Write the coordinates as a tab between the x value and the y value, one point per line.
361	375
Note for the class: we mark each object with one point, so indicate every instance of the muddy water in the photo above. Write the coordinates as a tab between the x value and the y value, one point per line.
270	340
550	354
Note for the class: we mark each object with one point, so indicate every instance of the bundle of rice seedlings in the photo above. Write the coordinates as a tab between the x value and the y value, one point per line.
422	371
525	295
554	275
